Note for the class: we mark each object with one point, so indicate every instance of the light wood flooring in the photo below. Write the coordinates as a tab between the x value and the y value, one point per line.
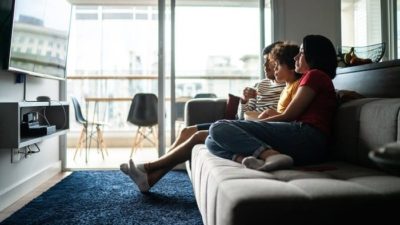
112	159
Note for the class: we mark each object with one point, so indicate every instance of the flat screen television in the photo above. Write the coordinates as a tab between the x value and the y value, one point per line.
34	37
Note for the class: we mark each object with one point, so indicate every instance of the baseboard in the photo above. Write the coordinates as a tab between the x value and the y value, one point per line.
17	191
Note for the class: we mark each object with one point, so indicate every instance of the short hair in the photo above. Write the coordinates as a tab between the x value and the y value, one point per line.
269	48
320	54
284	54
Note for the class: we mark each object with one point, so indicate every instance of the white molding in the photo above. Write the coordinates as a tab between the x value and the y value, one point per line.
389	28
237	3
113	2
23	187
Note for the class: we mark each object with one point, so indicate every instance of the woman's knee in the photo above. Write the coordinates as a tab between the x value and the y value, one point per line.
211	145
187	132
200	136
218	127
215	149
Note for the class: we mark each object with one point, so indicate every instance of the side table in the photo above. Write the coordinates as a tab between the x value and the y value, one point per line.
387	157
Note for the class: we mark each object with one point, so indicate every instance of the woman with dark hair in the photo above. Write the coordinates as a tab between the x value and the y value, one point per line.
299	135
321	54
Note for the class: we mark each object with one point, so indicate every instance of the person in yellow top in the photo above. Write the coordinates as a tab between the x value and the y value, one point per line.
283	57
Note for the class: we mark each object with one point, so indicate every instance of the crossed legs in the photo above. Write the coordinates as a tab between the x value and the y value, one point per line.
249	145
147	174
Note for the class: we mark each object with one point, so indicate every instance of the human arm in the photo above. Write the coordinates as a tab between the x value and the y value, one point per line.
268	113
298	105
248	100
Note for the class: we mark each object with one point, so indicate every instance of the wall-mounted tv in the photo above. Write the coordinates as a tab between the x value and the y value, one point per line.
34	37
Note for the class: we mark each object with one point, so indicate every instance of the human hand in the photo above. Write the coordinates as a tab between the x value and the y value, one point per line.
263	115
248	93
267	113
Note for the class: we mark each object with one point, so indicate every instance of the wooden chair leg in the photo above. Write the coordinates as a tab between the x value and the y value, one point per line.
80	141
155	135
99	146
102	142
135	141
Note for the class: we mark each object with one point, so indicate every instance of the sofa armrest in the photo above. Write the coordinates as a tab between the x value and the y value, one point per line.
204	111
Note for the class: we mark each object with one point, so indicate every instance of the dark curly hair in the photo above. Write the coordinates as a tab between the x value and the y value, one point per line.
269	48
320	54
284	54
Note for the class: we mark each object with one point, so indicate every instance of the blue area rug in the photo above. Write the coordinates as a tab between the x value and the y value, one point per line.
110	197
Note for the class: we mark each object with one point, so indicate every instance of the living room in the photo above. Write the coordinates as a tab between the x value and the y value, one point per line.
172	65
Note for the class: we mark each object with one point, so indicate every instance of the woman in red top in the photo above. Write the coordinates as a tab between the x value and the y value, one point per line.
300	134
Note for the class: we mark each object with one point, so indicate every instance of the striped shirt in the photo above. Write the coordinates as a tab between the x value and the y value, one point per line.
268	93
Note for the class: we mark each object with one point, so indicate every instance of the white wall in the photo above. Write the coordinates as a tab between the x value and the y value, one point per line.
17	179
295	19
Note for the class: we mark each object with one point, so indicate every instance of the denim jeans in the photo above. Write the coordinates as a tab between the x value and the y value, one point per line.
304	143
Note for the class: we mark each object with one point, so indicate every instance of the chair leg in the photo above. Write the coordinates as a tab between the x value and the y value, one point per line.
102	142
135	141
99	140
143	133
80	141
155	135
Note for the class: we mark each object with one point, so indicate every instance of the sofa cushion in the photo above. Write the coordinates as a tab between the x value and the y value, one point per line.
363	125
204	110
232	105
228	193
344	96
206	175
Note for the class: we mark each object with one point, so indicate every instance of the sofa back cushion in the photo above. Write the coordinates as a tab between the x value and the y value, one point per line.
362	125
204	110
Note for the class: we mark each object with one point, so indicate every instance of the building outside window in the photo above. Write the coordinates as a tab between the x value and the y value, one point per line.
361	22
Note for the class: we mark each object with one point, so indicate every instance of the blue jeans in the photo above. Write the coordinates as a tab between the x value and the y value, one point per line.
305	144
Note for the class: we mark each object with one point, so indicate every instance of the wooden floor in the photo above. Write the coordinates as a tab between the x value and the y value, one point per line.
112	160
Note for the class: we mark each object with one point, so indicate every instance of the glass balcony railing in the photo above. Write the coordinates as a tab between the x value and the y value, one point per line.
108	98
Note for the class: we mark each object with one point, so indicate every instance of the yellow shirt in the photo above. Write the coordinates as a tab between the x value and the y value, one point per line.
287	95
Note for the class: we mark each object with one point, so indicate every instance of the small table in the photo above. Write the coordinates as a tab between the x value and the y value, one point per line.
387	157
96	100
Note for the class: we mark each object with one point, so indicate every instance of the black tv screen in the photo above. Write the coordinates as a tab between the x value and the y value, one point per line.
36	34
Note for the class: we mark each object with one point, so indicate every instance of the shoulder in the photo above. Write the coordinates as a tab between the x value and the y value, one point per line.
316	79
265	82
296	83
314	75
292	87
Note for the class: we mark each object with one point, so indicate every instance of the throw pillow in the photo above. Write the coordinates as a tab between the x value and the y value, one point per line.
231	107
346	96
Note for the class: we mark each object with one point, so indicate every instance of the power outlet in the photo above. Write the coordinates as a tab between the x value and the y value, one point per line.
17	154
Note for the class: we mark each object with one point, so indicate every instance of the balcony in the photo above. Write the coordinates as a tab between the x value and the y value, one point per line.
108	98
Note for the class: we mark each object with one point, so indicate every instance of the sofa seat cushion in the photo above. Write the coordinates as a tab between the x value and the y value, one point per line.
228	193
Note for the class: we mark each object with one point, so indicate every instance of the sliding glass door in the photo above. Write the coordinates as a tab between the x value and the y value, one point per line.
210	47
217	49
113	55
